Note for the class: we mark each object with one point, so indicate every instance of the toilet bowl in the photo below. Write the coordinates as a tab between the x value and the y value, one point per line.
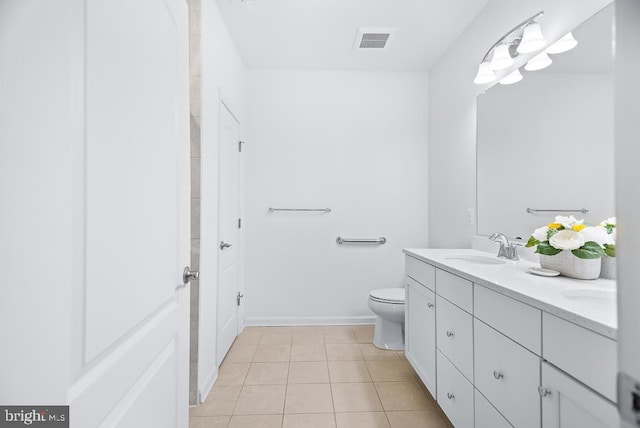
388	305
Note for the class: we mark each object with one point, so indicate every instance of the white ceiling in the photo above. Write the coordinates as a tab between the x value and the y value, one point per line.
319	34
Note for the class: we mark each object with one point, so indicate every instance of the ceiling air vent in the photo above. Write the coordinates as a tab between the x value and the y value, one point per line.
372	38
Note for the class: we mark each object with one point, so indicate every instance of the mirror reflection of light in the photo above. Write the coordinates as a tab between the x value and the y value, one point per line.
538	62
566	43
514	77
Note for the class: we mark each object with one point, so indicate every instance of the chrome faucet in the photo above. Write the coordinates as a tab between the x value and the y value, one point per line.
507	249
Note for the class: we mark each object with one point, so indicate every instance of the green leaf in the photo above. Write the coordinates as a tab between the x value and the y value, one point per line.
532	242
610	250
552	232
546	249
609	228
590	250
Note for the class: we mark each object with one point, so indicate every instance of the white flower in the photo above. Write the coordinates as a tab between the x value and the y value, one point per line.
568	221
610	220
597	234
567	239
540	234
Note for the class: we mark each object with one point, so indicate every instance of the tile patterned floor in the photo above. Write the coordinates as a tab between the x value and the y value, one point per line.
315	377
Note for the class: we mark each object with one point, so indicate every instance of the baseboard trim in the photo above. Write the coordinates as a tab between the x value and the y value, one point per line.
204	392
302	321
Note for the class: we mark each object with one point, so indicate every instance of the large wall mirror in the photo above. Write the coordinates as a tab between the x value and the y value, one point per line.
546	142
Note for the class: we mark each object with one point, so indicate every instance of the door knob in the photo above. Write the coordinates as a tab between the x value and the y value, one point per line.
224	245
189	275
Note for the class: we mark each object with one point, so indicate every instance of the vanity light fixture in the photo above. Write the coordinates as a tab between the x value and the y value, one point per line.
501	58
503	52
566	43
532	39
514	77
485	74
538	62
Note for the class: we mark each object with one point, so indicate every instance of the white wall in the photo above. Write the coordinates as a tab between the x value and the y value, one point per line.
627	125
527	149
222	77
452	108
351	141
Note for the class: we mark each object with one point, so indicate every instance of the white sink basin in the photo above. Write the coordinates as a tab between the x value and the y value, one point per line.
479	260
589	294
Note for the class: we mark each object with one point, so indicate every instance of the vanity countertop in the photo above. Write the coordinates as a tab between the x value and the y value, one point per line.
589	304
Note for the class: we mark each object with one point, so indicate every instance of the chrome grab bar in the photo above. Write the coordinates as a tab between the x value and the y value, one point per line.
382	240
325	210
534	211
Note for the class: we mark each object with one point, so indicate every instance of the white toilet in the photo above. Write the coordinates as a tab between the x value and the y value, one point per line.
388	305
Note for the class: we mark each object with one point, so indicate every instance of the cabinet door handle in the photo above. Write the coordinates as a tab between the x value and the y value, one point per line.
497	374
429	305
450	396
449	333
544	391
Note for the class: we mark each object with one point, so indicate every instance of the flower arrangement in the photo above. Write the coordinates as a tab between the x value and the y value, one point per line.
610	226
568	233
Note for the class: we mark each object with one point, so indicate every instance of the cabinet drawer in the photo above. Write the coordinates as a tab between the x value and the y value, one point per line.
585	355
518	321
422	272
508	375
455	393
455	335
487	416
457	290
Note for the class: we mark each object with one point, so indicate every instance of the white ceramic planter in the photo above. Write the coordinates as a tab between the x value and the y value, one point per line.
608	270
573	267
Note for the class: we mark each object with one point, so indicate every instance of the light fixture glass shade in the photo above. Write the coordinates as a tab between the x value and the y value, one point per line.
538	62
566	43
514	77
532	39
485	74
501	58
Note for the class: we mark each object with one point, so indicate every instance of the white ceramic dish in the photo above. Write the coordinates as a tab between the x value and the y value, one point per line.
543	271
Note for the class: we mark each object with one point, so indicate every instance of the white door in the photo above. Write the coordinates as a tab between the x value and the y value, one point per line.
94	130
228	231
627	127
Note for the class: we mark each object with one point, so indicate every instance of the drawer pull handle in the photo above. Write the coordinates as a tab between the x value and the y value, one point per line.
429	305
497	374
449	333
544	391
450	396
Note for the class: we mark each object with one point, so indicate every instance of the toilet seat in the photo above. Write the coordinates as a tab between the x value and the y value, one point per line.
388	295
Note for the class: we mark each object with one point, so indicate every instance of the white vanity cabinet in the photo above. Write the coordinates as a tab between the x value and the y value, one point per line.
493	361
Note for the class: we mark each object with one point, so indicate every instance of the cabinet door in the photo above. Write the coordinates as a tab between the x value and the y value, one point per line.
567	403
420	332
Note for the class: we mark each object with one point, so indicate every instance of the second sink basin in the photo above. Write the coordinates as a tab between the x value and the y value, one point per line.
479	260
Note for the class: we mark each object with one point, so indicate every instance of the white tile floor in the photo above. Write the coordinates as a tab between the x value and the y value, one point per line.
308	377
